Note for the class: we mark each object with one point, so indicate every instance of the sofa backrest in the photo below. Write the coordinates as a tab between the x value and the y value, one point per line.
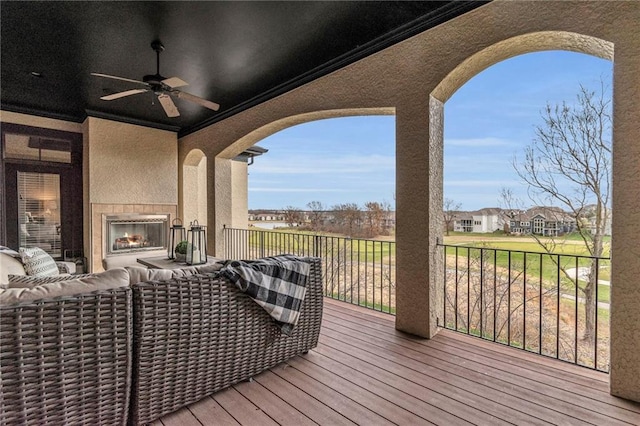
40	289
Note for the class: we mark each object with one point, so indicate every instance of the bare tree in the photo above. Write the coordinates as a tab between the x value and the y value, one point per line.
292	216
316	215
374	218
348	217
569	164
449	209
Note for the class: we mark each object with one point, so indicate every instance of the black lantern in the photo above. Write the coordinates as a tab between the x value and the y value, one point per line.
196	244
176	235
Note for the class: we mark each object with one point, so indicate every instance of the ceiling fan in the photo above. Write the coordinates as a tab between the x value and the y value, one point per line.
163	88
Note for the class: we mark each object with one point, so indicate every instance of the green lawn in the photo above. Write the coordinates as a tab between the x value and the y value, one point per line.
326	245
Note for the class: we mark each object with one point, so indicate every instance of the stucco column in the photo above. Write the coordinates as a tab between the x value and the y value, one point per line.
418	217
625	248
219	200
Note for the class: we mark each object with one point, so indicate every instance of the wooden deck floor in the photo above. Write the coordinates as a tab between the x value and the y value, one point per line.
365	372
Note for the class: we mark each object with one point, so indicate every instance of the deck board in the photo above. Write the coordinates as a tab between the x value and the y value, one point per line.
366	372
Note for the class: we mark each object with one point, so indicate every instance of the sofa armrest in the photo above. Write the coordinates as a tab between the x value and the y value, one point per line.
67	360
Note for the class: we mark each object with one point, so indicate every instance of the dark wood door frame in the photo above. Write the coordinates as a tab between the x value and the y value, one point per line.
71	186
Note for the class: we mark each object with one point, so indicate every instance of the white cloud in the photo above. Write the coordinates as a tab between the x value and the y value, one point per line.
475	183
252	189
478	142
324	165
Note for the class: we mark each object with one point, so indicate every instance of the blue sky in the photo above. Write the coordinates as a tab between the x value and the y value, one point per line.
488	121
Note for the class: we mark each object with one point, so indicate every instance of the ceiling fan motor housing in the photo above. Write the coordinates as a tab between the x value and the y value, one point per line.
155	80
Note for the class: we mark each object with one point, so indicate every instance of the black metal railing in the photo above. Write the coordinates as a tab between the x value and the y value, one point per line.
357	271
555	305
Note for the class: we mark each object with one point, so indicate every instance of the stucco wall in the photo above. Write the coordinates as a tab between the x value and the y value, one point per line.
625	250
130	164
193	188
239	202
403	77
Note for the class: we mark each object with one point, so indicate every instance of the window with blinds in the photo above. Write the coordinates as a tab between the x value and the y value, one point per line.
39	211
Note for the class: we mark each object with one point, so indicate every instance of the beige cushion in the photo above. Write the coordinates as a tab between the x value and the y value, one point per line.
139	274
206	269
9	265
198	269
114	278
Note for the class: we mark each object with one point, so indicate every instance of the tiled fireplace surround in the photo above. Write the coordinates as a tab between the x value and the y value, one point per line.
96	243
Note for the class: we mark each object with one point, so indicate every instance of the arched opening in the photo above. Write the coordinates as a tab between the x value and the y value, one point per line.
226	198
483	315
335	161
194	187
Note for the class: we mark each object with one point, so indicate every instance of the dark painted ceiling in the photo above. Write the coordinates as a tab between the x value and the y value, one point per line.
237	54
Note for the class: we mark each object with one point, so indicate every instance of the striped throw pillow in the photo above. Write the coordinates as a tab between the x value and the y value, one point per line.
38	263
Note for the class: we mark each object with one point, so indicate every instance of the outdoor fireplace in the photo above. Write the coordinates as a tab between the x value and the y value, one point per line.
128	233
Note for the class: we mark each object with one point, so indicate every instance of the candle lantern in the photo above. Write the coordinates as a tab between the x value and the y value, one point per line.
196	244
176	234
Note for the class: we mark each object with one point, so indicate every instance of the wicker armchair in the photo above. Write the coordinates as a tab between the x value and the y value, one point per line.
66	360
196	335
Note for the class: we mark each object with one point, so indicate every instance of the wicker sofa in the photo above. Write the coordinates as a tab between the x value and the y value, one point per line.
133	354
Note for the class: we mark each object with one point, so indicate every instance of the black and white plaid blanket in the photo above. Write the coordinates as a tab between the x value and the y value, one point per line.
277	283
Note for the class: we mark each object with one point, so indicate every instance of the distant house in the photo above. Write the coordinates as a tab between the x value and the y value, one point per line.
266	216
589	219
486	220
546	221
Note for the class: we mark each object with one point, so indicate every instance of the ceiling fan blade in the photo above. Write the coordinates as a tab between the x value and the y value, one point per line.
168	105
113	77
123	94
193	98
174	82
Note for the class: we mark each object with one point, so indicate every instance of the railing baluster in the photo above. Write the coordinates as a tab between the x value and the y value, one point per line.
540	306
524	303
456	301
358	294
575	347
558	290
391	277
351	271
381	279
468	290
444	287
366	268
495	290
373	274
509	301
595	331
481	289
